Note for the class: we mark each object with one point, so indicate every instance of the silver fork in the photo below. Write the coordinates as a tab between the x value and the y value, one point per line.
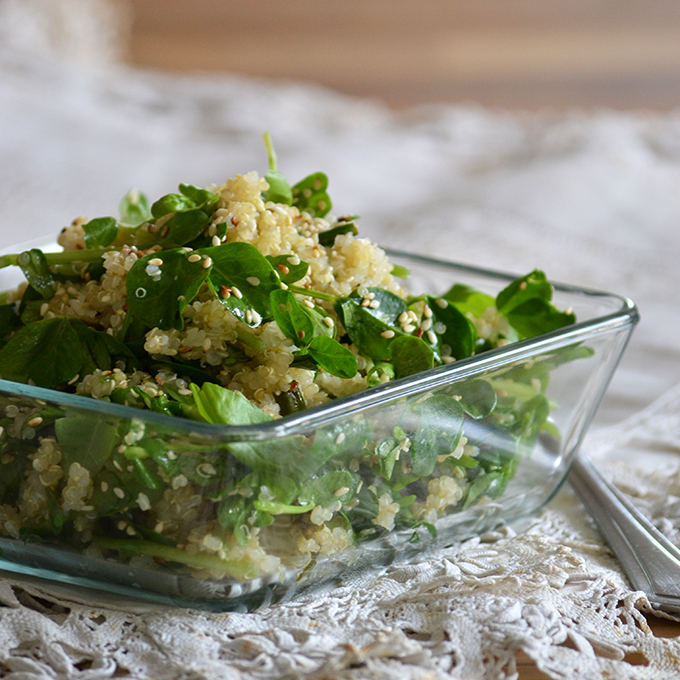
650	560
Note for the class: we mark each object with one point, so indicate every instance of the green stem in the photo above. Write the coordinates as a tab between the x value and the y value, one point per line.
172	554
64	257
313	293
274	508
271	154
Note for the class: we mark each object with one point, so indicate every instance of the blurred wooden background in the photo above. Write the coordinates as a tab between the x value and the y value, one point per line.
525	54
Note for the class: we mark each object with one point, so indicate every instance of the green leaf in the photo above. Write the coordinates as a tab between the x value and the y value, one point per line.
327	238
37	272
452	329
46	352
309	195
478	398
242	266
100	232
158	295
94	347
410	355
526	304
296	320
469	300
9	321
279	190
222	406
322	490
288	272
134	209
333	357
87	440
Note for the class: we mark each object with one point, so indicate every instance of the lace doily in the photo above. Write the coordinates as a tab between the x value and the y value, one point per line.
590	198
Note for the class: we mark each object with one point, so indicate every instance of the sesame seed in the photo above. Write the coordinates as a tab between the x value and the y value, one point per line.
523	285
308	303
403	318
207	263
569	310
171	455
374	304
294	260
143	501
442	303
104	487
341	491
365	302
408	328
236	292
328	321
194	257
224	292
387	334
206	470
427	324
253	280
427	312
412	315
432	337
340	438
34	422
282	268
156	261
257	319
216	240
119	492
301	334
130	531
249	316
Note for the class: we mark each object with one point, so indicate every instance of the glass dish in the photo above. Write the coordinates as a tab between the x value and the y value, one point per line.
491	438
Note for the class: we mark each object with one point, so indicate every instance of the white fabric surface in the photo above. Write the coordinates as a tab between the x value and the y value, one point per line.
592	199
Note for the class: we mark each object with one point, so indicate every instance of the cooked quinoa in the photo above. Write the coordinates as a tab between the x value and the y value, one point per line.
213	339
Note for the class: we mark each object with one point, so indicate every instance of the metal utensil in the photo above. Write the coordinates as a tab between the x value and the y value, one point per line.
650	560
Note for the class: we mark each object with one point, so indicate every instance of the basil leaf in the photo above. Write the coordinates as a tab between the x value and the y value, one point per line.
100	232
333	357
242	266
288	272
134	209
184	226
410	355
158	295
37	272
46	352
309	195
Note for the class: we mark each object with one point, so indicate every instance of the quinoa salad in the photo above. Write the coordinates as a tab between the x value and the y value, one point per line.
245	304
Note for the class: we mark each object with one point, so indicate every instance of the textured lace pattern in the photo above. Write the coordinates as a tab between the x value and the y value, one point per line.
590	198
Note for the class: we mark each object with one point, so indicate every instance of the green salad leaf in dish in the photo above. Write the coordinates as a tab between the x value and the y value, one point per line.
240	305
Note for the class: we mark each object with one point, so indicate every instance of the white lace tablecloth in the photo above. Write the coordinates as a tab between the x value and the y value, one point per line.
593	199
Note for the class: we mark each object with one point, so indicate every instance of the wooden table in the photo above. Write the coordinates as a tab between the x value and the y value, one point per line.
515	54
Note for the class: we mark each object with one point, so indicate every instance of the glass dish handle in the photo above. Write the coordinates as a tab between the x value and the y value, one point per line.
650	560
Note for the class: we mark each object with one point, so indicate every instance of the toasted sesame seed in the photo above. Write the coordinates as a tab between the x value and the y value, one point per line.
374	304
224	292
194	257
207	263
387	334
301	334
236	292
156	261
119	492
34	422
365	302
282	268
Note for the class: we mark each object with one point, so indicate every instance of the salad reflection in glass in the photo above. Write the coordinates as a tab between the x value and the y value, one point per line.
242	305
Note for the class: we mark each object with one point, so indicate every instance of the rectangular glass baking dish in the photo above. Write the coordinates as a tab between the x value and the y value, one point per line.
491	438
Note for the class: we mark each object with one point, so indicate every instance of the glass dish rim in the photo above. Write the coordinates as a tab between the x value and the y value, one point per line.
344	407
